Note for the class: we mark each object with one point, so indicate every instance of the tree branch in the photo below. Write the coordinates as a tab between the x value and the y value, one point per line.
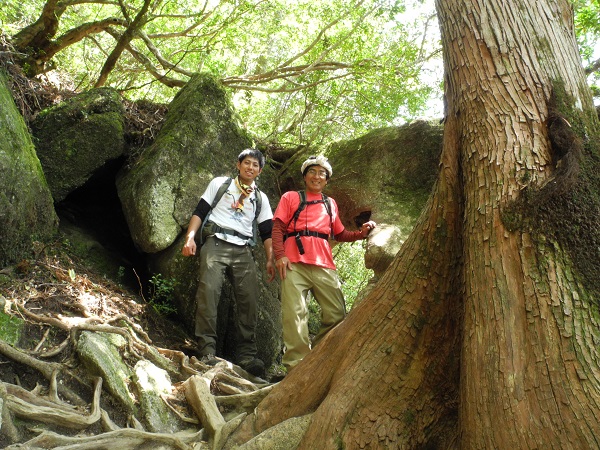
298	87
77	34
163	61
127	36
594	67
147	64
42	30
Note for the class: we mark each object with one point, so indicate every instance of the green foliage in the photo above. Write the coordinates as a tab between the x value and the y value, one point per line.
350	263
587	29
372	56
379	81
380	58
161	292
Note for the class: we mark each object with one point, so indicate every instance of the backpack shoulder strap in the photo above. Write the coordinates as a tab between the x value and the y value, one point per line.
258	195
324	199
301	206
218	195
327	203
220	192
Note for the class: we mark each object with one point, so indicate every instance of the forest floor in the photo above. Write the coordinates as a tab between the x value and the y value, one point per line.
49	299
55	283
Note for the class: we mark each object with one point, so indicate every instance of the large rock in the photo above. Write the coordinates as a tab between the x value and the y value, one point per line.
77	137
26	206
199	140
152	384
386	175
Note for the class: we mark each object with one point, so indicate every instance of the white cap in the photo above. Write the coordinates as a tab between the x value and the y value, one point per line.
317	161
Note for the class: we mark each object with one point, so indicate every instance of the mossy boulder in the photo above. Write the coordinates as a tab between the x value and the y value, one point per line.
199	140
79	136
26	206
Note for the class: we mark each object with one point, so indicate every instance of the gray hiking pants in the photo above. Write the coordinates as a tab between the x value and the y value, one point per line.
215	257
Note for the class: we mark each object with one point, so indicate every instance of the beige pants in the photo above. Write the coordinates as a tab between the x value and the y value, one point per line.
325	286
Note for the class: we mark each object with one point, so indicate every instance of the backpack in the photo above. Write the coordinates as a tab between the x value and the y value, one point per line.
214	228
297	233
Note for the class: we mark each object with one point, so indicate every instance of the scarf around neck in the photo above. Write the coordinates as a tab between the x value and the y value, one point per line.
246	191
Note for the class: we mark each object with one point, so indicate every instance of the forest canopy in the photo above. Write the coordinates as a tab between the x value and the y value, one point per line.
300	72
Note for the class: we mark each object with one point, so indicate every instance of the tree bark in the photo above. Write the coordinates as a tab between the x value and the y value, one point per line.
482	332
529	374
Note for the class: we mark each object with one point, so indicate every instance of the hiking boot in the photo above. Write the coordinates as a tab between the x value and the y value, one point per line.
253	366
209	359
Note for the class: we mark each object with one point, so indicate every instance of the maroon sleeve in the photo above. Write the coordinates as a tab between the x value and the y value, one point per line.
277	239
348	236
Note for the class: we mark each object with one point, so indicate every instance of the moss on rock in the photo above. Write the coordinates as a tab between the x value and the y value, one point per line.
11	328
79	136
26	206
99	352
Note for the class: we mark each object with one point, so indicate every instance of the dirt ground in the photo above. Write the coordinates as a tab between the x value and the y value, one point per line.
53	284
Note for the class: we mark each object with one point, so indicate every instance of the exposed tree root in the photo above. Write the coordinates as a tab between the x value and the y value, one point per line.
45	368
121	439
26	405
209	402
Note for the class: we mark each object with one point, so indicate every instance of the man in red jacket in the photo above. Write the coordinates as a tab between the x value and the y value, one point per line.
304	260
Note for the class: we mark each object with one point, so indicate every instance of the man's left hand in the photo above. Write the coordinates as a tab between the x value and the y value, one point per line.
366	228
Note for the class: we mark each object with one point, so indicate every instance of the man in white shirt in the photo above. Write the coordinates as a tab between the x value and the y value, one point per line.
228	246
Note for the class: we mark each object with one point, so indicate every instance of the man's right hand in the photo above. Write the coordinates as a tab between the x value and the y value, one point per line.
189	249
283	265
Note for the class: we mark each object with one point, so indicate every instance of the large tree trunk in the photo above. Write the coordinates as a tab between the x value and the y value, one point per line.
483	332
517	99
